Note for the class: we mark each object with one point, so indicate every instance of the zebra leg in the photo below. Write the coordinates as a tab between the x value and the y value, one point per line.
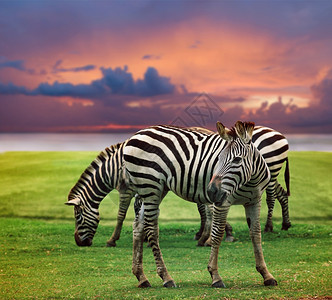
283	200
207	228
270	200
218	229
201	209
252	214
152	231
229	236
125	198
138	238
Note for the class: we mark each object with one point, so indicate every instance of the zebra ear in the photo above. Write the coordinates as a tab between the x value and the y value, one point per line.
75	202
224	132
244	130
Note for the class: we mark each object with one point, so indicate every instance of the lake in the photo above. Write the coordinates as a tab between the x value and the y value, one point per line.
97	142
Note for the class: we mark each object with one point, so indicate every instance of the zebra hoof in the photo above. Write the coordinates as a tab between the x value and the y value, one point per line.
271	282
218	284
110	244
197	236
285	226
144	284
268	228
170	284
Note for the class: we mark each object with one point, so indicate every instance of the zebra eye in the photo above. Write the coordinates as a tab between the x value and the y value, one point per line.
237	160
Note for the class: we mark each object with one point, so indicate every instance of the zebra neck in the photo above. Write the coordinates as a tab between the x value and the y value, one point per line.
261	174
95	182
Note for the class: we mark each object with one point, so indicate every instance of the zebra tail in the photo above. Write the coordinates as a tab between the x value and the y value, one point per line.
287	177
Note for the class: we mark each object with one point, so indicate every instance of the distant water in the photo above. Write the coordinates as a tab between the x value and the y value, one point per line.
59	141
97	142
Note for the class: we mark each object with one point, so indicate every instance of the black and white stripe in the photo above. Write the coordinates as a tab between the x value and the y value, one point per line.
198	167
274	147
102	176
106	168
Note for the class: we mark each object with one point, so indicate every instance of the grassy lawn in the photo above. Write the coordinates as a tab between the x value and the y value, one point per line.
39	258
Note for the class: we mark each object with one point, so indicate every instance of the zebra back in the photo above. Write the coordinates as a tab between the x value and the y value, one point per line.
182	158
274	147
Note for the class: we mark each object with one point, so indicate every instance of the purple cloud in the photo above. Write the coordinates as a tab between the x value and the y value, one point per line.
11	89
151	57
116	81
14	64
57	69
288	117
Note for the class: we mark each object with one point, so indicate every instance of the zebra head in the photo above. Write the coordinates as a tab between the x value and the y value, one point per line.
86	221
235	162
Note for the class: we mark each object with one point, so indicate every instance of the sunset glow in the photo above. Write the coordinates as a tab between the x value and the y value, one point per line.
115	66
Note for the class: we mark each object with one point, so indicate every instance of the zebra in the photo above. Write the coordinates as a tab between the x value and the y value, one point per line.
274	148
111	159
102	176
162	158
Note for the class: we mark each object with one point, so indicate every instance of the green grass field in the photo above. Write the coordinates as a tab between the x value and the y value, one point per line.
39	258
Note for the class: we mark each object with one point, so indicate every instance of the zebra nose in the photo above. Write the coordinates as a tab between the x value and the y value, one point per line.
212	191
79	242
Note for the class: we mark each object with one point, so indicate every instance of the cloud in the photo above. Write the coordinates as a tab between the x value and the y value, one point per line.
119	81
18	64
151	57
116	81
322	91
14	64
57	69
57	89
153	84
11	89
288	117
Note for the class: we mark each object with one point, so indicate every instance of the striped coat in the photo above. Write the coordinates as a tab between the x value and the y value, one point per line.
163	158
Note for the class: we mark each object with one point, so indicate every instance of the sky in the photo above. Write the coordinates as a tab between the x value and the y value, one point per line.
119	66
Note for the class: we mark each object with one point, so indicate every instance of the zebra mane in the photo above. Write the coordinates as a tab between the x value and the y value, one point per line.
90	171
190	129
113	148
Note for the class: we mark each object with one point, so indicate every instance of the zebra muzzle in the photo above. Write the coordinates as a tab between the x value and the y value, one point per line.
82	243
215	193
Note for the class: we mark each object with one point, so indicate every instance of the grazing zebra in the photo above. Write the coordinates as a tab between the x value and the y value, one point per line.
111	159
273	146
163	158
102	176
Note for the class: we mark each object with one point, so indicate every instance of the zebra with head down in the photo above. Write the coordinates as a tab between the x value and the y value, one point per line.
102	176
87	194
163	158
